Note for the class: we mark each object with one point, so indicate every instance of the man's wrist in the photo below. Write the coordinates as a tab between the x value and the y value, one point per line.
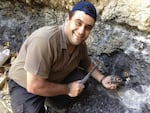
102	78
66	89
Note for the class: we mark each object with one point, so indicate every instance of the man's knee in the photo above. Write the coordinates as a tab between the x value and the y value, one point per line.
24	102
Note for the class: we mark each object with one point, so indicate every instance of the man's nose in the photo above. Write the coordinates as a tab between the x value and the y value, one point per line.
81	30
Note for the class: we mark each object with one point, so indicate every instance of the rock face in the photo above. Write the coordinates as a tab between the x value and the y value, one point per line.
119	40
132	12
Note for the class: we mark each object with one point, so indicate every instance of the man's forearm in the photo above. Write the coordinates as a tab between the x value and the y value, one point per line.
52	89
97	75
42	87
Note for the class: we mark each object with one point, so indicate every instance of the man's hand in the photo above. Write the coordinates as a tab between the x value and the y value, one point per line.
75	88
107	83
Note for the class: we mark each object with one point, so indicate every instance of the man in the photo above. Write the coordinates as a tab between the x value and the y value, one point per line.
48	61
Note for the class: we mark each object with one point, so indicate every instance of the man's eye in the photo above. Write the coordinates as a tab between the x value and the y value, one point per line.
88	28
78	23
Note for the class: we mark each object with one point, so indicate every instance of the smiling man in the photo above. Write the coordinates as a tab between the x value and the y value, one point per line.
48	61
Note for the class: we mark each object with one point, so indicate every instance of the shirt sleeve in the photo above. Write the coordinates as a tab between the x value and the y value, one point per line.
39	57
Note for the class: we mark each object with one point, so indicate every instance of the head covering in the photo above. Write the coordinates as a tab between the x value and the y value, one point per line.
87	8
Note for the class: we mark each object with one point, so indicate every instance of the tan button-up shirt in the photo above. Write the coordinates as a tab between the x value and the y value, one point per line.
44	53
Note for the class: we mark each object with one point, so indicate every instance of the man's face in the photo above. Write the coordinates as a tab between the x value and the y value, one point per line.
78	27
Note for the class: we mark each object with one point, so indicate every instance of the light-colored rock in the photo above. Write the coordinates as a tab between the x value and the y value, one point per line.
3	108
131	12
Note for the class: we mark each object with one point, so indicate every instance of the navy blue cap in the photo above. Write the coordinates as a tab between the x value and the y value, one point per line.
86	7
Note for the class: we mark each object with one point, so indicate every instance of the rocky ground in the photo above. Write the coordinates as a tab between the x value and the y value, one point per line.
5	106
95	99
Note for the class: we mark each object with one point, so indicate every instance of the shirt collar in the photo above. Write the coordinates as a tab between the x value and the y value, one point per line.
62	39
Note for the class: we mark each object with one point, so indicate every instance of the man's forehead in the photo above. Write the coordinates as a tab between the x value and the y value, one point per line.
84	17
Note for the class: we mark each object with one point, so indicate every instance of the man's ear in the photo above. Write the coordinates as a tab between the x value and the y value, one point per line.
67	19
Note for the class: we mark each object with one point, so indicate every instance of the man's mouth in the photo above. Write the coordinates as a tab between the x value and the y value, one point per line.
77	37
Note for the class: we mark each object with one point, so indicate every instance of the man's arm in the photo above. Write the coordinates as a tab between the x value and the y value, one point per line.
106	80
96	73
39	86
